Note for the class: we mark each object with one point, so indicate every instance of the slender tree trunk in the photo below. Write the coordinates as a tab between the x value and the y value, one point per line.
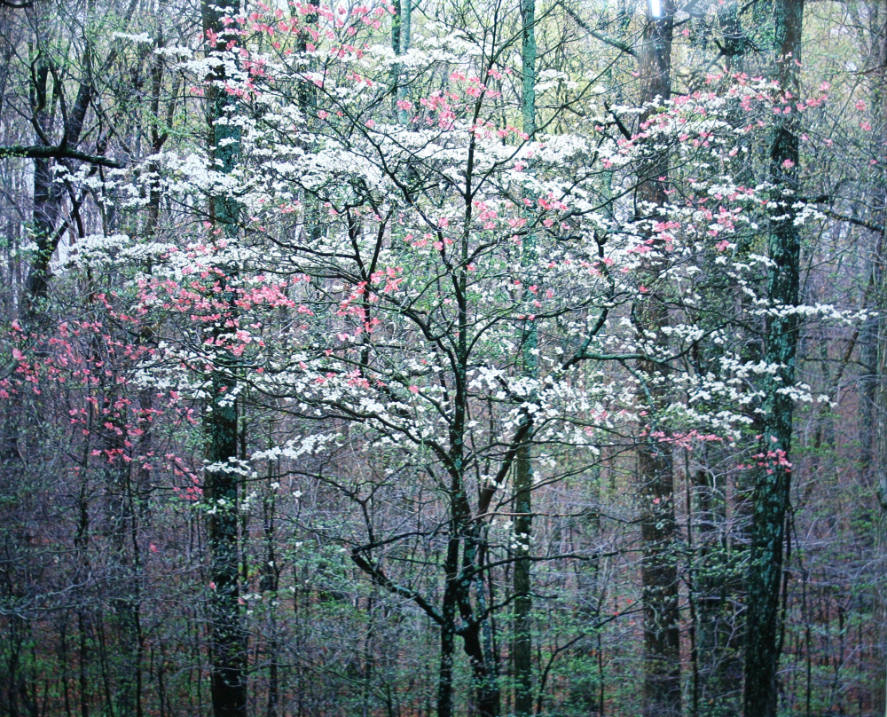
126	606
476	640
396	23
81	547
873	355
448	629
772	486
712	585
401	36
454	586
269	586
523	468
465	534
662	664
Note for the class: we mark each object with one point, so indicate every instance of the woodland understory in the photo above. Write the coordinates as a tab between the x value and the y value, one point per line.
443	357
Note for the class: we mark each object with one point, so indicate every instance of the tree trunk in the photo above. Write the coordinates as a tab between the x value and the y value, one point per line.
448	630
228	640
771	493
522	644
873	355
662	664
49	194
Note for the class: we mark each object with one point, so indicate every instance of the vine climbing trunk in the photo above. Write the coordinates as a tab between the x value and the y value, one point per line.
772	485
659	578
228	639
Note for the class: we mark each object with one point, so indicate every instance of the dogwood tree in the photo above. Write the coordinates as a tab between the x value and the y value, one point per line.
394	243
373	249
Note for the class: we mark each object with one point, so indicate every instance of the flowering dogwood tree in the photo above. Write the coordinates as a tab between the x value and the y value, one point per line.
394	241
350	255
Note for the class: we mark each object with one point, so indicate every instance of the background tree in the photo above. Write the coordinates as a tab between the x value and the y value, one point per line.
659	574
772	486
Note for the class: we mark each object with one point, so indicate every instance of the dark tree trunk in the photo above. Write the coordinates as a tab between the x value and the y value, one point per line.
228	646
522	645
771	492
49	194
448	631
477	646
47	198
228	639
659	577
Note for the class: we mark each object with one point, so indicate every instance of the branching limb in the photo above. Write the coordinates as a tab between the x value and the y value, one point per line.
56	152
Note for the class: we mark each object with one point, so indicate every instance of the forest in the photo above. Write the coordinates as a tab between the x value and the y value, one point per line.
413	358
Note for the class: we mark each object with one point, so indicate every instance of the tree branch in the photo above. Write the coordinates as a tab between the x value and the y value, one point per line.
614	42
833	214
380	578
50	152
